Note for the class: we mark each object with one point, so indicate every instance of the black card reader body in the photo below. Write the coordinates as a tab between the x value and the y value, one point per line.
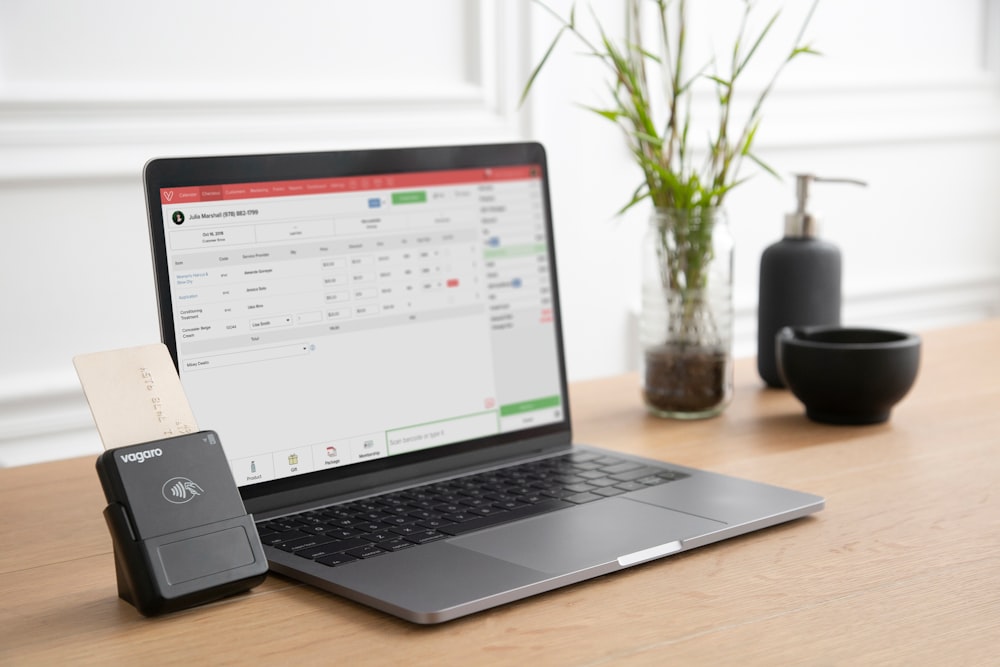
181	534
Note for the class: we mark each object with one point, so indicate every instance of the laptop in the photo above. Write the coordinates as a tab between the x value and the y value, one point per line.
375	336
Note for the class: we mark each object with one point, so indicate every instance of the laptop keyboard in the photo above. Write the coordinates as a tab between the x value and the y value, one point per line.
370	527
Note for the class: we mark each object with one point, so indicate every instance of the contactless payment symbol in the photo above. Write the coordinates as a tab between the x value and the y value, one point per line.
179	490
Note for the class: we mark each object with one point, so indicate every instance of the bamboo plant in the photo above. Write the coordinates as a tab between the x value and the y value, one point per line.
644	80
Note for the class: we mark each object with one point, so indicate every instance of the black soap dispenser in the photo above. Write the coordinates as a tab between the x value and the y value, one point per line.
799	279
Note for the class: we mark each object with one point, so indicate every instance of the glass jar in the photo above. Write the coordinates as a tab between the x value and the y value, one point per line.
686	324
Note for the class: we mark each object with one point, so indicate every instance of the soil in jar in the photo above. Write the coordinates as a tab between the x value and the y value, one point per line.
684	379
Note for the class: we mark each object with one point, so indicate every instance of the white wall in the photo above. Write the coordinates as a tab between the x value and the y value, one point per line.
904	98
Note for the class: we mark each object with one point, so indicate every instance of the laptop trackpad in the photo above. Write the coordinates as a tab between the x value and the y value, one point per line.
587	535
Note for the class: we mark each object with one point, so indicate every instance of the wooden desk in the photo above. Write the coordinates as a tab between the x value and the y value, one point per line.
902	567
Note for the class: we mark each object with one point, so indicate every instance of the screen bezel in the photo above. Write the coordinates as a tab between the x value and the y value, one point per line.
221	170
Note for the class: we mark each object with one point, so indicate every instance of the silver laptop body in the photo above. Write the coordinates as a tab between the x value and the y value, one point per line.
375	335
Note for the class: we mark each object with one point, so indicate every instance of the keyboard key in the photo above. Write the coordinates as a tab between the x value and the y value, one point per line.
334	560
417	494
368	506
302	543
608	491
450	509
499	497
341	533
399	511
272	538
630	486
281	525
508	504
547	505
624	466
568	479
396	544
487	510
425	504
344	545
290	535
368	551
578	488
396	520
310	520
630	475
315	553
379	536
425	537
580	498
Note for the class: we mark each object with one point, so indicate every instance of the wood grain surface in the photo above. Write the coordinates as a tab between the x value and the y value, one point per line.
902	567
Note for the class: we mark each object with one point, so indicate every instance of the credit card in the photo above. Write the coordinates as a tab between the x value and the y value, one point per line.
134	395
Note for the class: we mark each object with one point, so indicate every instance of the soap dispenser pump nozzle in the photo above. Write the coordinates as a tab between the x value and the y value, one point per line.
802	223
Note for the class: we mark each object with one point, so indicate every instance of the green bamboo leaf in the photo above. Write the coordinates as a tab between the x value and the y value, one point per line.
610	114
641	193
751	133
685	86
638	48
763	165
541	64
757	43
804	50
656	119
648	138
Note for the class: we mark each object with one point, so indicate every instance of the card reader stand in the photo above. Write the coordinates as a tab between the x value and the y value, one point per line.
181	534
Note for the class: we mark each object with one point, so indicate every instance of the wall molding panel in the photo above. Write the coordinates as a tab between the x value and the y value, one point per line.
74	268
55	130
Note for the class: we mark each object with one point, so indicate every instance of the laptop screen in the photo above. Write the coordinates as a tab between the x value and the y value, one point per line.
340	319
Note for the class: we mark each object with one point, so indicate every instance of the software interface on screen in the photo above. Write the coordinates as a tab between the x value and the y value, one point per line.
326	322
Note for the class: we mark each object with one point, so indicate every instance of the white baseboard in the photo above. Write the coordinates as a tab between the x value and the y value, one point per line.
914	308
43	419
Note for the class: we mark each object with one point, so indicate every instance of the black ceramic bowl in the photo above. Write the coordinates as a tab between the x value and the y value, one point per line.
847	375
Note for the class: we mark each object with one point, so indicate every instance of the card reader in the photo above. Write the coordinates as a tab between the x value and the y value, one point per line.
180	531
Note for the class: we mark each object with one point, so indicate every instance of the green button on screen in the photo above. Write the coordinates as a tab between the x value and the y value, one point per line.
410	197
